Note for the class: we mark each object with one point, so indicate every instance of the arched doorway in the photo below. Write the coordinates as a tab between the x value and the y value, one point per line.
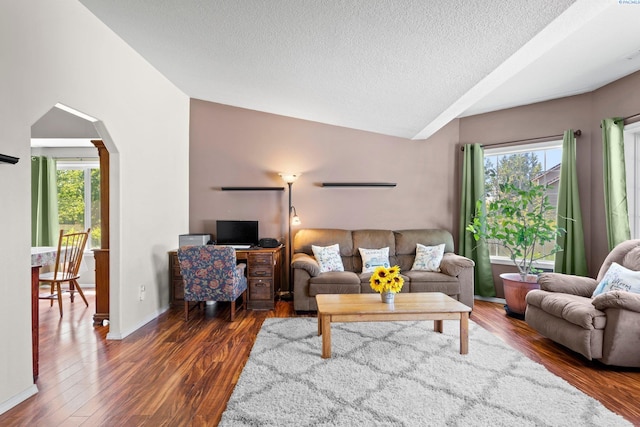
74	134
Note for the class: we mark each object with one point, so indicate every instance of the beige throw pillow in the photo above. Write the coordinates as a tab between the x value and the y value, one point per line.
374	258
428	258
328	257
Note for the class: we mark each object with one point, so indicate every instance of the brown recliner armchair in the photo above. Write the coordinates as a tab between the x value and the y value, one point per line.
606	327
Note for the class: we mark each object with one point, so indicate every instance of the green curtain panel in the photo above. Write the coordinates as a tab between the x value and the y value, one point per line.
44	202
572	259
615	182
472	191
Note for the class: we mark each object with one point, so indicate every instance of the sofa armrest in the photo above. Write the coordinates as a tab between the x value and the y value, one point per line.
307	263
452	264
567	284
617	299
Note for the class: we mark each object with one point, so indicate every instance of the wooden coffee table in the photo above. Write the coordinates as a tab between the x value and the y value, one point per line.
434	306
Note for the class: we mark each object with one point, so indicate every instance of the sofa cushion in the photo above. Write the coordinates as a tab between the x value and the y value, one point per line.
406	240
567	283
374	258
328	257
342	277
334	282
372	239
632	259
446	287
572	308
619	278
428	258
431	281
307	237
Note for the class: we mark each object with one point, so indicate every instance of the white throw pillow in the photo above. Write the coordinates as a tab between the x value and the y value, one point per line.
619	278
328	257
428	258
374	258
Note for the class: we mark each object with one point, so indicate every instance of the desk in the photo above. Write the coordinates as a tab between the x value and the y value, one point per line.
264	276
40	256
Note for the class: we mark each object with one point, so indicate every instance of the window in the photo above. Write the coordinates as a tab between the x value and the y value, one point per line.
539	162
79	197
632	168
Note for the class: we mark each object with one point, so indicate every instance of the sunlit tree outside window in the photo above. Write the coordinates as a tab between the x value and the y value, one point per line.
520	165
79	198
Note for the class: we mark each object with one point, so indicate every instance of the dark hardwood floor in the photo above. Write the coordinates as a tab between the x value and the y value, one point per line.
169	373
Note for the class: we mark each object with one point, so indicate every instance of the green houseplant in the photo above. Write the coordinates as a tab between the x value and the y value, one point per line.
521	220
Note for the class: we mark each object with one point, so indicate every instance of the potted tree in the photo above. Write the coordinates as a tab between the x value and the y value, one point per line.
521	220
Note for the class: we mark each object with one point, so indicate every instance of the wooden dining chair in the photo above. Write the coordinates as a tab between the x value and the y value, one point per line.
68	258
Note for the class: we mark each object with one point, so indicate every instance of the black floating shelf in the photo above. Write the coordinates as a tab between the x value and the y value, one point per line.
8	159
252	188
359	184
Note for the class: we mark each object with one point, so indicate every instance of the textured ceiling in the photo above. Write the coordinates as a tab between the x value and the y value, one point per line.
396	67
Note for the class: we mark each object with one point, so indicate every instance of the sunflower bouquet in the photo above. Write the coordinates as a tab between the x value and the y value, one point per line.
386	279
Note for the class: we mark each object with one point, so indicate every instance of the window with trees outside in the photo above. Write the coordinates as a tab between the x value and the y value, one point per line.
78	183
538	163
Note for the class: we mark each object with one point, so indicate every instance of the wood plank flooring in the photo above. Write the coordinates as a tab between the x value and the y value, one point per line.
170	373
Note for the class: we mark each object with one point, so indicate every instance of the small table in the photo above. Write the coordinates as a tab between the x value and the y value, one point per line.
434	306
40	256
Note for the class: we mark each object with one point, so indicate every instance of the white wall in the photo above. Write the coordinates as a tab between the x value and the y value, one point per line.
58	52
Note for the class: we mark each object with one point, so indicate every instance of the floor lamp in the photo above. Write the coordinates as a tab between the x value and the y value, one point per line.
293	219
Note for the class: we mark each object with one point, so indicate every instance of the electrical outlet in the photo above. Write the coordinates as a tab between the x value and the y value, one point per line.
142	292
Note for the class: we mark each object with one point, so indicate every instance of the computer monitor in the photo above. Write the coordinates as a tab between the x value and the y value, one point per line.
237	233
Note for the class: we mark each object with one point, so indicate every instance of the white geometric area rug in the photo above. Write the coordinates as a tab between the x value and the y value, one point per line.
400	374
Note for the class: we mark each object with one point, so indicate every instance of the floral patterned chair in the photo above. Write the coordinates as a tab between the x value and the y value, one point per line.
210	273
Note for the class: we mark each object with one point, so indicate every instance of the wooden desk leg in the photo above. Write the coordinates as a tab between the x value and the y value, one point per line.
437	326
319	323
326	336
464	333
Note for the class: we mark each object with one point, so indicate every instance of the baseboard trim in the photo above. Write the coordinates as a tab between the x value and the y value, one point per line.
124	334
18	398
490	299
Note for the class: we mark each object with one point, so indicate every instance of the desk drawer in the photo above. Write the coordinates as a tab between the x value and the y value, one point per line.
256	259
260	289
178	289
260	271
176	272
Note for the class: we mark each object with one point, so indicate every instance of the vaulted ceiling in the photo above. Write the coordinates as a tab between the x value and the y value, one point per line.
397	67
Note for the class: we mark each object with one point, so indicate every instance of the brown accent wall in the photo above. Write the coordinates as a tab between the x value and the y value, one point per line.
237	147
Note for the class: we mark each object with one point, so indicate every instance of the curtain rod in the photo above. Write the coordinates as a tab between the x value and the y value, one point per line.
576	133
628	120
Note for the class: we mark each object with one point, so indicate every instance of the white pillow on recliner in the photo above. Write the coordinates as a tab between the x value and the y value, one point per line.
619	278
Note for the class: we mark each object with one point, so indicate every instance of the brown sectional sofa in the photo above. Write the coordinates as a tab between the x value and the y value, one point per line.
455	278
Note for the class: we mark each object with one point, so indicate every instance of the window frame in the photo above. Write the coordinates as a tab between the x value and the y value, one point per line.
521	149
631	135
86	165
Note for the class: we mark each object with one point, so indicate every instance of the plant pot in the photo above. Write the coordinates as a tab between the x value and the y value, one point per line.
515	291
387	297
